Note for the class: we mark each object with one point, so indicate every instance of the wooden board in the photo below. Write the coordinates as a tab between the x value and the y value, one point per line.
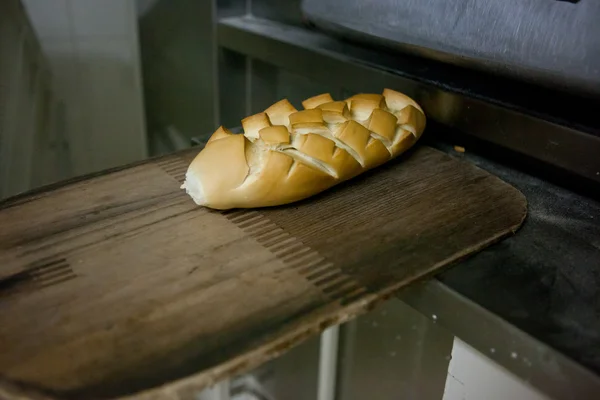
129	289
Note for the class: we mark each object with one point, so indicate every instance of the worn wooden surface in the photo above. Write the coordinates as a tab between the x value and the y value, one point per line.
127	288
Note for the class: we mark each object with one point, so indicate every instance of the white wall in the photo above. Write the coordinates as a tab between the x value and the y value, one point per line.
472	376
92	46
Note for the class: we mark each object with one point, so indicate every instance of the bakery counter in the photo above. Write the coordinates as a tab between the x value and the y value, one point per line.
530	302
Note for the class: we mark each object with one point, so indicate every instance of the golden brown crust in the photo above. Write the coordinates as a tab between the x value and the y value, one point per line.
220	133
376	154
316	101
312	116
279	112
266	186
406	141
276	134
286	155
367	97
382	123
217	190
356	137
412	120
308	121
397	101
340	163
335	112
283	180
254	123
362	105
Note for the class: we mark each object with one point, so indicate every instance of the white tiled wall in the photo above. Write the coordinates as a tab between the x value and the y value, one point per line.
92	46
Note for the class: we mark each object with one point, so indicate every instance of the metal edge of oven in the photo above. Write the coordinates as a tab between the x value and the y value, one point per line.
533	361
314	55
358	23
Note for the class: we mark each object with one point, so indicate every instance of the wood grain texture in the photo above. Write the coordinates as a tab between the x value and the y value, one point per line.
125	288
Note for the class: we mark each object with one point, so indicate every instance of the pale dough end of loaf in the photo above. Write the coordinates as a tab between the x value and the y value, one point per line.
193	187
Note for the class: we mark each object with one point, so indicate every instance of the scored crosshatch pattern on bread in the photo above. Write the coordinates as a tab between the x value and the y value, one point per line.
285	155
297	256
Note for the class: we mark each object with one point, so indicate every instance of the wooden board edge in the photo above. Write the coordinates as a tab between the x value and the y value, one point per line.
35	193
11	390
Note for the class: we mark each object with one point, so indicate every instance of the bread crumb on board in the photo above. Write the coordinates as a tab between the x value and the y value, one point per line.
459	149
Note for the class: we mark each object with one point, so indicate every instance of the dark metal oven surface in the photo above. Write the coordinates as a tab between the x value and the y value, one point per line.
555	43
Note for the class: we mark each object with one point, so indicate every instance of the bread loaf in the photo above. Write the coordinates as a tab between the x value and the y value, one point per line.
286	155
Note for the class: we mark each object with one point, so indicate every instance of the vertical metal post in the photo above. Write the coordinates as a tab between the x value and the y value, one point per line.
230	73
328	360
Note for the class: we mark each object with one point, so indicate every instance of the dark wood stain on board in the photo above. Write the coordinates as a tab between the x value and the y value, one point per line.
113	285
